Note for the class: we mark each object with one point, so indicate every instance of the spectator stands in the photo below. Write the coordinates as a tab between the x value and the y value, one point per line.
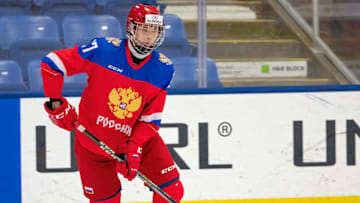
186	73
15	7
59	8
29	29
79	29
176	43
24	38
35	80
73	84
11	79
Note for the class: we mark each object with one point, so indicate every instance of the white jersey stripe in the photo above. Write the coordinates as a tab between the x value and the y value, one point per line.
152	117
57	62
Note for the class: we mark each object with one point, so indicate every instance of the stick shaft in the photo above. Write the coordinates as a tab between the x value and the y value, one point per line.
111	152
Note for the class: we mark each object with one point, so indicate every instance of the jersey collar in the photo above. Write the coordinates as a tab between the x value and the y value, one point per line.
130	60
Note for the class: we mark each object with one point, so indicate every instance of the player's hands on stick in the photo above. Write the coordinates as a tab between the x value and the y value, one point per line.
130	166
61	113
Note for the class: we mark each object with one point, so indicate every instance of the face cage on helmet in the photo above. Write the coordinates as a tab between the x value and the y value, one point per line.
139	47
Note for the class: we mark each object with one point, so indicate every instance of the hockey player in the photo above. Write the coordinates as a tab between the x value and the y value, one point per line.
121	105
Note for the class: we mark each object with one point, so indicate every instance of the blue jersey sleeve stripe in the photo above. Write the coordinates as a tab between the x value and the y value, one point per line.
153	118
52	65
157	122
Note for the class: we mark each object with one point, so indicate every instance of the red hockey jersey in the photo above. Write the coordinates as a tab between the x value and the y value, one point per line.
120	95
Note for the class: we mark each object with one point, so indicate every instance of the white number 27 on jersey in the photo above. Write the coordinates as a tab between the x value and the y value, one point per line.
90	46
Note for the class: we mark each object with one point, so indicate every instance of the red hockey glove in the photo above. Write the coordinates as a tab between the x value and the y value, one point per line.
64	116
130	167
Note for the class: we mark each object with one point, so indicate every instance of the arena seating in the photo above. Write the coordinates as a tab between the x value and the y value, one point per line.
15	7
73	84
121	7
79	29
60	8
27	37
187	73
11	79
29	29
176	43
35	80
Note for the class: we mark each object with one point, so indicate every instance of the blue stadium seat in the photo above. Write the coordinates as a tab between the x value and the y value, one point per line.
28	37
35	80
79	29
176	43
58	9
11	79
4	54
121	7
65	7
73	84
186	73
15	7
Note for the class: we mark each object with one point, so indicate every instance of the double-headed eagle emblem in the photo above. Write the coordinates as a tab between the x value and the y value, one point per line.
123	102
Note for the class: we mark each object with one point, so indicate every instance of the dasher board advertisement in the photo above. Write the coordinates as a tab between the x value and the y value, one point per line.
228	147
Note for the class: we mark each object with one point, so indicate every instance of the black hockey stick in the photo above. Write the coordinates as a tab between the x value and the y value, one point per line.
111	152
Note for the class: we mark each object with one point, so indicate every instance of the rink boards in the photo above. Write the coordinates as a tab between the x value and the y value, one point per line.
245	147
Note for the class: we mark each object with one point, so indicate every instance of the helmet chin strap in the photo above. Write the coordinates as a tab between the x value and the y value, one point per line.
135	53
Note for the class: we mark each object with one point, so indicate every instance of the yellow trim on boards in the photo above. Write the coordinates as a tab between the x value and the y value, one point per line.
345	199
